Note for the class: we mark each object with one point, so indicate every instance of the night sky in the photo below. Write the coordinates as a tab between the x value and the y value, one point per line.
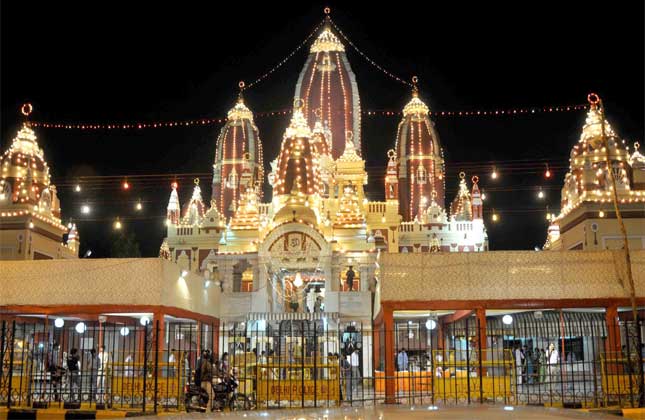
125	62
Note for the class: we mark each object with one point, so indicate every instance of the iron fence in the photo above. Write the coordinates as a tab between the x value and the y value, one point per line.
553	360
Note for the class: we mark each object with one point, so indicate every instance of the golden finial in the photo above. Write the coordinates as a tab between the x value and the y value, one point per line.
242	86
594	100
637	146
318	112
349	135
327	11
196	181
391	154
475	179
247	156
462	175
298	103
26	109
415	87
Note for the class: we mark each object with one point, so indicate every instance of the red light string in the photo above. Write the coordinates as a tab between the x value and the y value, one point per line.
369	113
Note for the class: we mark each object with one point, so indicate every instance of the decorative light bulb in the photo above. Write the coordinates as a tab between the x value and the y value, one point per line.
125	185
77	188
483	196
85	209
298	280
547	174
431	324
139	206
80	327
31	225
117	224
59	322
540	194
494	174
507	319
495	217
601	214
144	321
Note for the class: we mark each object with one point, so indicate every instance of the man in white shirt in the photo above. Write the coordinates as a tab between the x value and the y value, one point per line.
356	371
101	380
552	359
519	360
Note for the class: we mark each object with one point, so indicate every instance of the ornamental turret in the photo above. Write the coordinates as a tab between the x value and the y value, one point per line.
461	209
391	177
327	85
420	160
238	157
173	210
195	210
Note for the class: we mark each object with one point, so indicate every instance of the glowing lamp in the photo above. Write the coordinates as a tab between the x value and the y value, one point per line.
138	206
601	213
298	280
507	319
125	331
59	322
495	217
144	321
77	188
431	324
80	327
85	209
118	225
540	194
125	185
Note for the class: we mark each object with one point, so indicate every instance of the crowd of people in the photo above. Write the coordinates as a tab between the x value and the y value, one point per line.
535	366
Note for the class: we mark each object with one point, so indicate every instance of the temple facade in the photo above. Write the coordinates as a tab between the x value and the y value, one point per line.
313	247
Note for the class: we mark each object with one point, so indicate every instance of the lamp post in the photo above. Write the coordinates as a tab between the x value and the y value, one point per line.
595	101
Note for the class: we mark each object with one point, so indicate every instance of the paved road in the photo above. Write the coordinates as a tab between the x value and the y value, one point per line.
404	413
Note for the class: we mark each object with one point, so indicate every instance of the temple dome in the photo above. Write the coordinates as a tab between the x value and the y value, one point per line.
420	160
238	151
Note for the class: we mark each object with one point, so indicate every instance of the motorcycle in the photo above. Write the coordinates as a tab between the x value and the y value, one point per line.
224	394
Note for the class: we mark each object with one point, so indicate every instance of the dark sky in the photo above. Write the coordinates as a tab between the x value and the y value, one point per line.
125	61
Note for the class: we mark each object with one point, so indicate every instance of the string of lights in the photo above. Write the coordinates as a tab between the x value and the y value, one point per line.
112	126
369	60
287	58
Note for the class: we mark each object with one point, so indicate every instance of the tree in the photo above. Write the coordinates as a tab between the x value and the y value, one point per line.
124	245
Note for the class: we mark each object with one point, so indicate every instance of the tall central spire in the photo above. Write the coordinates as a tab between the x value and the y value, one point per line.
327	86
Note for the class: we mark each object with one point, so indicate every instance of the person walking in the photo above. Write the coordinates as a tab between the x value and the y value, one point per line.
402	360
74	374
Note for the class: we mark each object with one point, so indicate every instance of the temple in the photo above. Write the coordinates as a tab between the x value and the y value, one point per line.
312	248
587	218
30	215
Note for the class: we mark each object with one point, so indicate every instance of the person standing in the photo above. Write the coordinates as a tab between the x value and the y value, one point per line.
519	360
103	363
355	362
402	360
552	358
346	372
74	374
350	279
206	376
530	366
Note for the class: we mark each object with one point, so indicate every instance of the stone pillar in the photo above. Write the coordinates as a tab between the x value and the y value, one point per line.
613	343
390	353
482	338
159	338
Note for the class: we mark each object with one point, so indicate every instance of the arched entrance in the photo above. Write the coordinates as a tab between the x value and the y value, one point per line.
295	263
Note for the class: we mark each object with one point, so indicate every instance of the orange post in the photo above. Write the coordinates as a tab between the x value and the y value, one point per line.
390	351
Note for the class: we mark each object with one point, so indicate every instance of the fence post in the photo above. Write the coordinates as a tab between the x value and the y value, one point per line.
641	385
145	365
156	350
481	356
10	373
2	349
